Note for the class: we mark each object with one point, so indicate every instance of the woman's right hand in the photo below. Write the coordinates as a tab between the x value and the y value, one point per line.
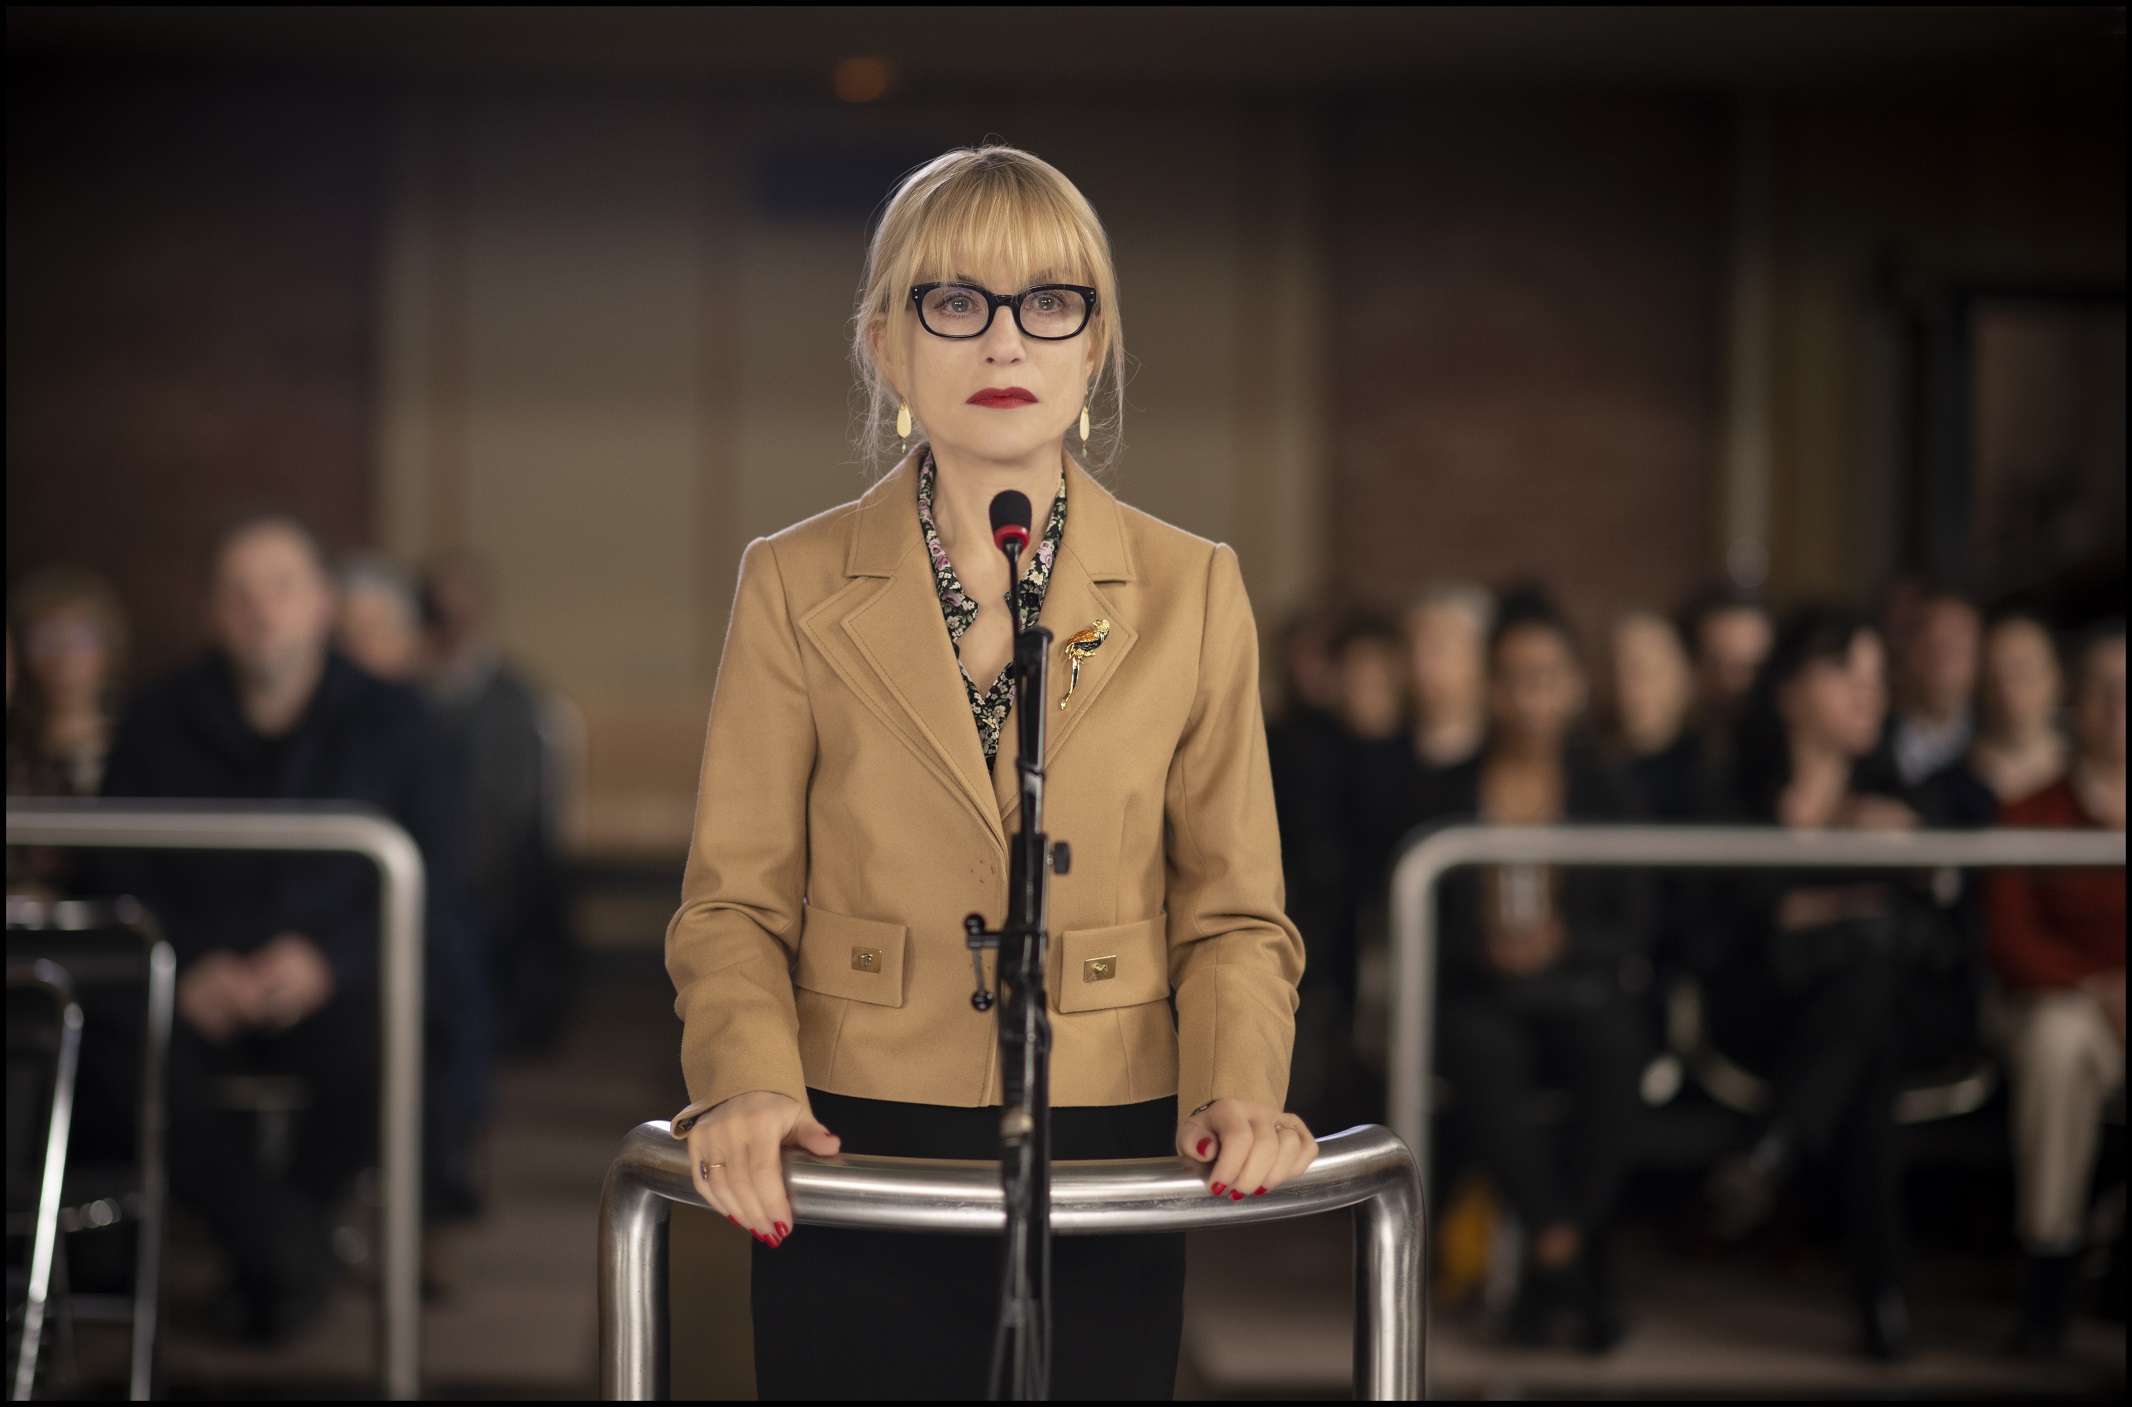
737	1149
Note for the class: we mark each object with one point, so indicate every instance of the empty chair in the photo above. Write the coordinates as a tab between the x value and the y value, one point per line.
43	1048
109	1210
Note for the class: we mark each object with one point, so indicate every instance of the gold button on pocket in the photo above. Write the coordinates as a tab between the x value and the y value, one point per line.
866	959
1100	969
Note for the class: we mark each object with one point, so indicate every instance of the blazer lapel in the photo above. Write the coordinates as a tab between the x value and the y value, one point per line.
1095	553
890	645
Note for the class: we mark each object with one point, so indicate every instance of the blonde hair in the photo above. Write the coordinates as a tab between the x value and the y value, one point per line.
969	212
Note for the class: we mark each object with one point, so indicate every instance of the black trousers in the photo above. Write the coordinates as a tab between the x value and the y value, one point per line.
884	1314
275	1228
1497	1053
1832	1047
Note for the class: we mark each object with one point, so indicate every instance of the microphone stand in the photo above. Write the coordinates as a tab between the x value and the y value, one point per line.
1021	1346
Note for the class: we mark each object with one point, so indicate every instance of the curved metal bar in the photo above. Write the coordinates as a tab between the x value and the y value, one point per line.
1367	1168
298	827
1430	857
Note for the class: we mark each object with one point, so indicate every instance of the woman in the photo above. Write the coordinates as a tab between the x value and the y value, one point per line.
1447	640
72	631
2019	750
2058	948
1824	988
1536	965
856	801
1654	688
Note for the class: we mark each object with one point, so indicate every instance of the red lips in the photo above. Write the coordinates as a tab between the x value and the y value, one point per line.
998	398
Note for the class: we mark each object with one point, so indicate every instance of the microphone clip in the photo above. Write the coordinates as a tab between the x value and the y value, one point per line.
979	938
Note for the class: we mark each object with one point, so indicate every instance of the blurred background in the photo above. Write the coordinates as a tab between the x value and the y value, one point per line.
552	305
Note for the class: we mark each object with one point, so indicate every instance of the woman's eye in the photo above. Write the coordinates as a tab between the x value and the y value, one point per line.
1046	302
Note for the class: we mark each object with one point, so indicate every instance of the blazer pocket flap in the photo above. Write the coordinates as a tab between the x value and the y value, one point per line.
1099	968
855	958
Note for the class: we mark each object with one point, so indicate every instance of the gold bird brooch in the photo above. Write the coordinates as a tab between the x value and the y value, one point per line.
1079	646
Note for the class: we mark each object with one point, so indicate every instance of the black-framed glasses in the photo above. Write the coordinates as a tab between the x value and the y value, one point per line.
1049	312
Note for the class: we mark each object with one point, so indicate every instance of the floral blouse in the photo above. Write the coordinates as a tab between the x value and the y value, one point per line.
989	706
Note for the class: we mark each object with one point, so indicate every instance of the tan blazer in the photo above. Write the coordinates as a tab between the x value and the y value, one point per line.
845	824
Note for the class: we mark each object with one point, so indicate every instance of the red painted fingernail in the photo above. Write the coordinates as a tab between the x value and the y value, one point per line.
734	1219
1220	1188
783	1230
1260	1193
1236	1196
1203	1146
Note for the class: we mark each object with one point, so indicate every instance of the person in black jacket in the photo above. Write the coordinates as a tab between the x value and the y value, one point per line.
1830	984
1536	966
278	954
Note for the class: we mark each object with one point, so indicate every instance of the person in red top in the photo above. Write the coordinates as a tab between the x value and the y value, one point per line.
2058	946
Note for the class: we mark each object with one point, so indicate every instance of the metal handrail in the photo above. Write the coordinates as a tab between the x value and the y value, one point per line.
1430	857
208	825
1366	1168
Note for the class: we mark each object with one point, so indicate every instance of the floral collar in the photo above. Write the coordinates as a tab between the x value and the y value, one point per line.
989	706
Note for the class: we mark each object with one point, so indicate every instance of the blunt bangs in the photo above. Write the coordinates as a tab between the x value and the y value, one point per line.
1002	218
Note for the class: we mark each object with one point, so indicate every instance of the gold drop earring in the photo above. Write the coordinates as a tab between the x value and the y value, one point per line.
903	424
1084	425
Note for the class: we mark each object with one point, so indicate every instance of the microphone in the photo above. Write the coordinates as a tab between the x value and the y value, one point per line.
1010	522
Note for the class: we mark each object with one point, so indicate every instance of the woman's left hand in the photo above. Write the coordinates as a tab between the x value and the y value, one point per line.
1248	1149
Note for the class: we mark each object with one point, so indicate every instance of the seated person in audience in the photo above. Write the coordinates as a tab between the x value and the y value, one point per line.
1447	647
2020	749
380	625
1729	634
1935	687
2058	946
492	720
1370	717
73	634
1307	752
278	954
1653	690
1536	966
1811	972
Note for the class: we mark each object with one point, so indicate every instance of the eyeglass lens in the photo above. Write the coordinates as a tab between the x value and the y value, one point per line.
962	310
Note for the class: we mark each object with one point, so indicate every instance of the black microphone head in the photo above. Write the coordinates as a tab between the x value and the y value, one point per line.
1010	520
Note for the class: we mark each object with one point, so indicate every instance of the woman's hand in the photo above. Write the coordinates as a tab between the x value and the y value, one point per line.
1249	1149
738	1152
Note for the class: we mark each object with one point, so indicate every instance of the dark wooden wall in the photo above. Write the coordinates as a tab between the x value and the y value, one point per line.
191	272
1527	311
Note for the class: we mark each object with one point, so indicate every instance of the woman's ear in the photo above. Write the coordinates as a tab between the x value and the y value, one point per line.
877	342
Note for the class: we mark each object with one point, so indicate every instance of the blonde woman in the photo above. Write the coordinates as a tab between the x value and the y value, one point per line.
856	802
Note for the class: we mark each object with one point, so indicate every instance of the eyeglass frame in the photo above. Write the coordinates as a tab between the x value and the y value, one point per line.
1002	300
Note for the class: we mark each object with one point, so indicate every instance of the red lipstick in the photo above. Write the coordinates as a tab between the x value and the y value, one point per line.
998	399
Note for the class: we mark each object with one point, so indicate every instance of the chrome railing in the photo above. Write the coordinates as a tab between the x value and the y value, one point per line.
1429	859
1365	1168
208	825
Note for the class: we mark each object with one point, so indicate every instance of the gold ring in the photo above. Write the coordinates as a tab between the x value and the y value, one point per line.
705	1168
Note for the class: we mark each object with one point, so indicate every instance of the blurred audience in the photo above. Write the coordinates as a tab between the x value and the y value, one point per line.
1935	686
1447	646
72	633
1307	752
1533	968
1819	975
2020	748
2058	947
493	724
1729	634
1653	693
278	954
380	625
